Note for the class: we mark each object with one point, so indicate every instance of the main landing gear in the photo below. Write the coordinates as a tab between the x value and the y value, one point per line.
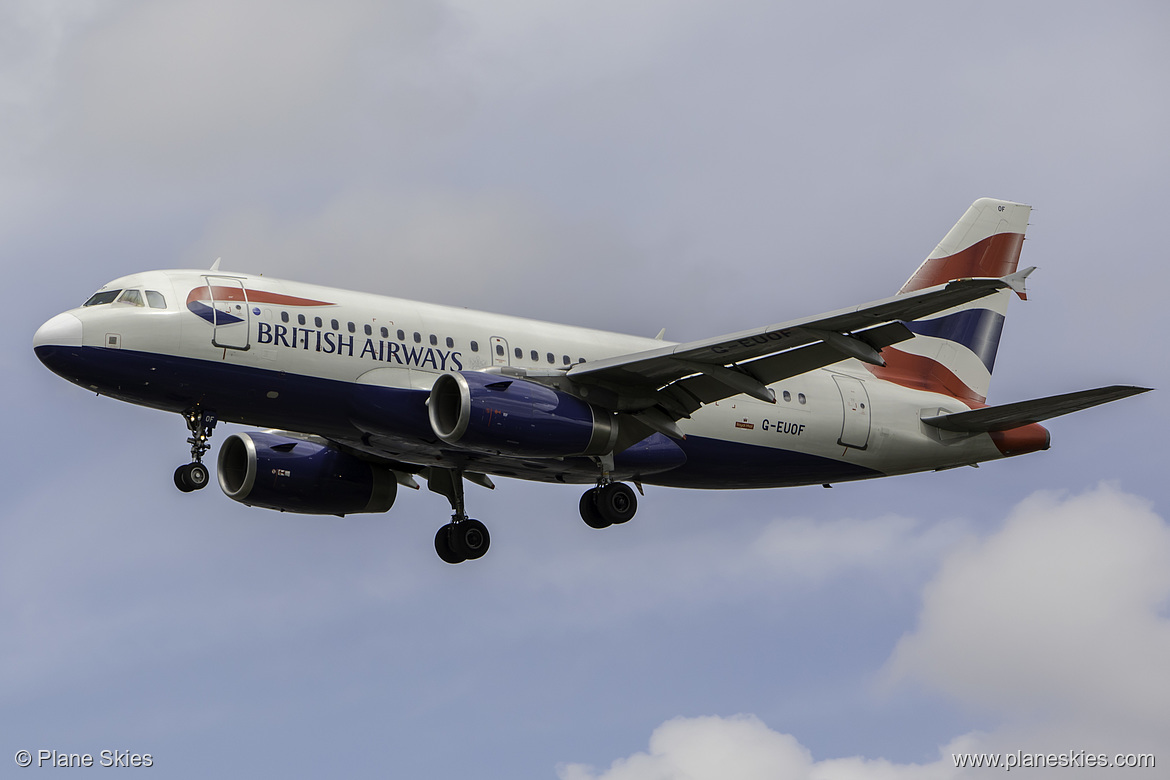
194	475
610	503
464	538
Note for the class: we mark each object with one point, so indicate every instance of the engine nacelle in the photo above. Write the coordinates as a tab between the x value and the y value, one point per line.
498	414
293	475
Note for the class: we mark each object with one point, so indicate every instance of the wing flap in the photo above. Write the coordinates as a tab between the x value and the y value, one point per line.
1008	416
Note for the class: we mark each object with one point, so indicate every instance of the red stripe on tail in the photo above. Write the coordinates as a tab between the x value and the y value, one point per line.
993	257
922	373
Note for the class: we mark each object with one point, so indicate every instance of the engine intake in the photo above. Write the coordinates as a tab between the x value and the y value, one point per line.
293	475
495	414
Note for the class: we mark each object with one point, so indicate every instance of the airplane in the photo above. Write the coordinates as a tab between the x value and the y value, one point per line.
358	394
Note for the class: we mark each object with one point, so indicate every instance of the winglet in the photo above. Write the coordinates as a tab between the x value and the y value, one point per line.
215	265
1016	281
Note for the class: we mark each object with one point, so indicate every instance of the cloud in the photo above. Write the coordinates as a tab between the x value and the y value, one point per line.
1062	608
744	748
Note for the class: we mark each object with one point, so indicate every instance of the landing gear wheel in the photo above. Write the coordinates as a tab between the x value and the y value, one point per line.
470	538
443	545
462	541
181	481
616	502
589	511
191	476
197	475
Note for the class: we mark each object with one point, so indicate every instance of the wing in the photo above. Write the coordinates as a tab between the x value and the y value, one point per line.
660	386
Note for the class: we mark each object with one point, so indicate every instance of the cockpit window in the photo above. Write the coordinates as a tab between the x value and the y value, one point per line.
105	296
132	297
156	299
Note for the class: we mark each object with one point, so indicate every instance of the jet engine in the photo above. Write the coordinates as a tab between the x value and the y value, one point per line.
294	475
498	414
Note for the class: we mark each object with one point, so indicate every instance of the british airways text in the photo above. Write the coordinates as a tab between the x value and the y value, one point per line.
330	343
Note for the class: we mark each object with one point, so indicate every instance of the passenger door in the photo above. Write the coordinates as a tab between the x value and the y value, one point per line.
231	321
855	401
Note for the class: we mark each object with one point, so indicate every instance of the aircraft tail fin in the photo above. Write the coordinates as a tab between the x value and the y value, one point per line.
953	352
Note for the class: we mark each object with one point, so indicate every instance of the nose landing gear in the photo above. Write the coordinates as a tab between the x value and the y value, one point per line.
194	475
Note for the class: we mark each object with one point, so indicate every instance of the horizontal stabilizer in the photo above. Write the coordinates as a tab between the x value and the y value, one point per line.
1008	416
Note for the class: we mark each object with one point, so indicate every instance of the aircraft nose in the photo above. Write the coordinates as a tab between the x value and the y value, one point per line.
64	330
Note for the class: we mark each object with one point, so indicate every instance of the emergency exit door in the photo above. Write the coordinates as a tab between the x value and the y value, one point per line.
499	351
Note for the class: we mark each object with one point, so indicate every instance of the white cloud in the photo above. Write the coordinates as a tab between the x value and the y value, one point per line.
742	747
818	550
1060	609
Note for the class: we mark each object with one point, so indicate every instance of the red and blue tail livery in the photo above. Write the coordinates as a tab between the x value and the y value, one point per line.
361	394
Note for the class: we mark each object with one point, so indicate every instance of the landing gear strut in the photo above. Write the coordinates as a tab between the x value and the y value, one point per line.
464	538
194	475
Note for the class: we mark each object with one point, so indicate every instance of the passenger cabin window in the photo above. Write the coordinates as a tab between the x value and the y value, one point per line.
98	298
519	353
401	335
500	350
155	299
385	333
551	358
475	346
132	297
450	343
417	337
351	327
284	316
565	359
369	331
434	340
300	319
335	324
534	355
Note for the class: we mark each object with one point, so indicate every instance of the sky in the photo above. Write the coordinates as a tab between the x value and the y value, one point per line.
703	167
